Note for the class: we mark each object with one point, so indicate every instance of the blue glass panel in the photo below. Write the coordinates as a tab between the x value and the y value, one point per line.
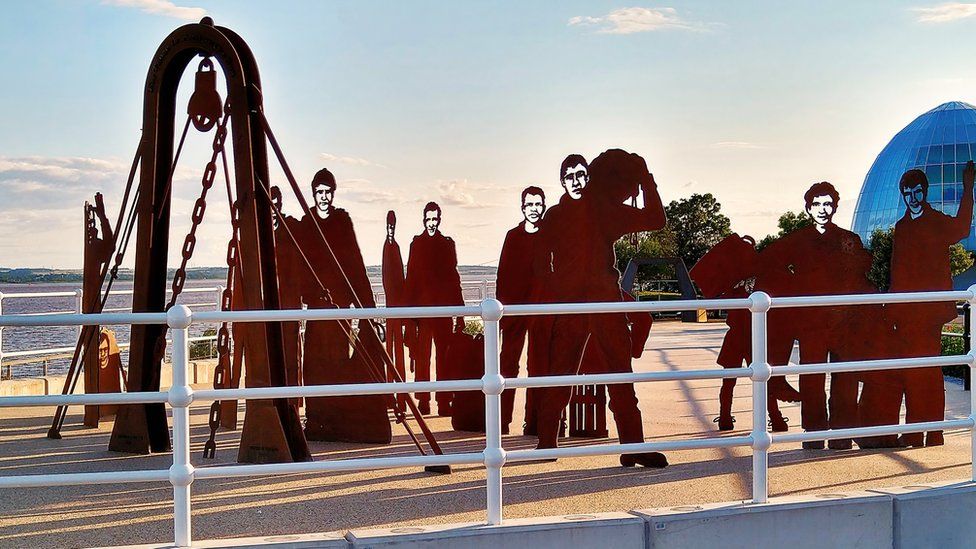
934	175
949	193
948	172
935	154
935	194
949	153
921	155
962	152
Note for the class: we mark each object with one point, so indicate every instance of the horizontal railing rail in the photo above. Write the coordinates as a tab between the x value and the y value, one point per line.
181	474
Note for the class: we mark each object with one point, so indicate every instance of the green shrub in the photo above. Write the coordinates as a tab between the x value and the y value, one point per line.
200	350
952	346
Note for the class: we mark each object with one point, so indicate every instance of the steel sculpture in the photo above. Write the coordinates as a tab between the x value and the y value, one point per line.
919	262
272	431
579	234
433	280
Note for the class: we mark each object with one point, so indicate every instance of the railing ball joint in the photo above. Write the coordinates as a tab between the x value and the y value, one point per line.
761	440
761	372
180	396
759	302
179	317
493	384
182	475
495	457
491	310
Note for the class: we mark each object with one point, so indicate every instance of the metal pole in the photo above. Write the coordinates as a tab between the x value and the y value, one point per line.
180	396
493	384
971	360
1	329
967	328
79	297
761	439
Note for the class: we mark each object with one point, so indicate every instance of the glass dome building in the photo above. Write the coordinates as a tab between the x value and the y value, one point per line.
939	142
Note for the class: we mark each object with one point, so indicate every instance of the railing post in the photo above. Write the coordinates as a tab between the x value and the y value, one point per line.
967	328
79	298
971	361
492	384
179	318
1	330
761	372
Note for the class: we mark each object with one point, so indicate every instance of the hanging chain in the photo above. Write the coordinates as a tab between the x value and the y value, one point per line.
200	206
223	375
223	372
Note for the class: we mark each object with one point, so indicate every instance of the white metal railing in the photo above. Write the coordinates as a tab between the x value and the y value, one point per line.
181	474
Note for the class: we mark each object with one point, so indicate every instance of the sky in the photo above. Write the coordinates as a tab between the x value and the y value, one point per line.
467	103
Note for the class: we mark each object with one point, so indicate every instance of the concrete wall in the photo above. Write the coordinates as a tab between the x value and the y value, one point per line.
854	519
927	516
598	530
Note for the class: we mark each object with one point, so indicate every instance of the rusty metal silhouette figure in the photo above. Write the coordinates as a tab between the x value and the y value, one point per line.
289	289
820	259
98	253
919	262
394	287
328	352
579	233
516	282
432	279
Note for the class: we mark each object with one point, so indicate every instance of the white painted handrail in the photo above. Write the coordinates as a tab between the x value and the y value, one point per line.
181	474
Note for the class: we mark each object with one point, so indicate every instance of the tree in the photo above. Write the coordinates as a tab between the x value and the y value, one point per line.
650	243
788	222
960	259
698	224
880	246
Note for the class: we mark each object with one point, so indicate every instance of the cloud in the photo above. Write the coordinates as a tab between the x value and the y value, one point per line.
945	13
160	7
461	193
737	145
634	20
351	160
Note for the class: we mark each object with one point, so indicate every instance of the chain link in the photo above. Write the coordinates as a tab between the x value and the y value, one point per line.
223	376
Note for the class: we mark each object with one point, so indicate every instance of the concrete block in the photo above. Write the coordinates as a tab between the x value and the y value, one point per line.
325	540
22	387
597	530
937	514
853	519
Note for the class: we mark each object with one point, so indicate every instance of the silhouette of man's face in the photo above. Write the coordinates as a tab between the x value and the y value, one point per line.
822	209
914	198
432	220
390	229
533	207
323	197
575	180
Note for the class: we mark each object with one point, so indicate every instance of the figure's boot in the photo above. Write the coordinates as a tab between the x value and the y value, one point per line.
654	460
725	420
777	423
934	438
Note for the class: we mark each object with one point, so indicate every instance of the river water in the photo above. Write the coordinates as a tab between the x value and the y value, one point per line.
47	337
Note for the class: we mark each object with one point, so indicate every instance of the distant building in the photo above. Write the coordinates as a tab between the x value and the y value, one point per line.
940	142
